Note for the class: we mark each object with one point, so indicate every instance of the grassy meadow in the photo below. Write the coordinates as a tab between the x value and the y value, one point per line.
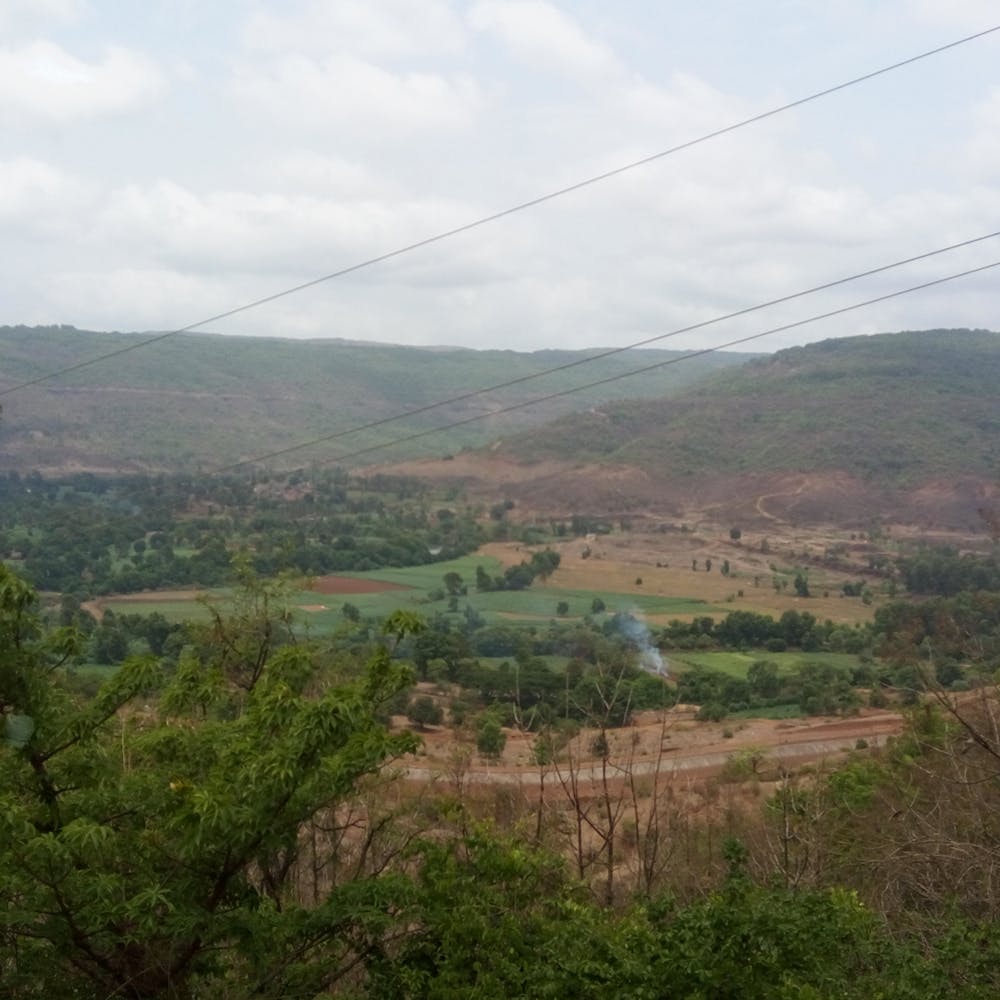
736	664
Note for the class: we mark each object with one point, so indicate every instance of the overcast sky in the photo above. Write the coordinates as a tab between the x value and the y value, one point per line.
166	160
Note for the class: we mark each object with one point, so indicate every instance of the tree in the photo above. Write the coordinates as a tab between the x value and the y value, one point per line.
597	606
484	582
544	564
351	612
490	737
735	534
801	585
762	676
562	608
424	711
151	853
453	584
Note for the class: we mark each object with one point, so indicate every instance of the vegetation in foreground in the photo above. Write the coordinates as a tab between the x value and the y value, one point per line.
229	828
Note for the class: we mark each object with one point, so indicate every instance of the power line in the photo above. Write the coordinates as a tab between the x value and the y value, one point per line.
417	435
522	206
520	380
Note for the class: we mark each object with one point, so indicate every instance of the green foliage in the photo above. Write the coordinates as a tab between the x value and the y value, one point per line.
150	838
819	684
490	737
745	943
142	854
494	919
944	572
85	535
425	711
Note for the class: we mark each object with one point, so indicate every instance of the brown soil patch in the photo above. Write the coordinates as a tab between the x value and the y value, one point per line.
763	500
353	585
662	561
672	744
96	606
313	607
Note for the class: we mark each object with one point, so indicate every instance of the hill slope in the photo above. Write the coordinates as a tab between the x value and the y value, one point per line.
210	400
896	410
901	426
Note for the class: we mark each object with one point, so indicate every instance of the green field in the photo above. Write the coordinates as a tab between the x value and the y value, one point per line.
737	664
533	605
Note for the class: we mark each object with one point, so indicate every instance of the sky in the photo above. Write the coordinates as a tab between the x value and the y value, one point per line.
162	162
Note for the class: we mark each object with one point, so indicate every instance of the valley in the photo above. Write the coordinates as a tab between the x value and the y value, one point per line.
663	649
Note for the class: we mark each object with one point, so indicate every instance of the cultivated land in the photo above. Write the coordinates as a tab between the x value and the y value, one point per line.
826	460
668	591
635	570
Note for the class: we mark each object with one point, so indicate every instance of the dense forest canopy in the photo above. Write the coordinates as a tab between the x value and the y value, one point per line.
90	535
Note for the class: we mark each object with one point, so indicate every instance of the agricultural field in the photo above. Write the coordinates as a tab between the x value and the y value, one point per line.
736	664
379	592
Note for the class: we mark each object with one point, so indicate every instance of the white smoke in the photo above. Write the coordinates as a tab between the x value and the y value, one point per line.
635	629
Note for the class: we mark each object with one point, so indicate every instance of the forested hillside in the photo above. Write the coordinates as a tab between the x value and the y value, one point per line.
894	410
199	400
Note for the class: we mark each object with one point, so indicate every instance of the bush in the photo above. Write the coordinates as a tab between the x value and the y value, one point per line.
424	711
490	738
713	711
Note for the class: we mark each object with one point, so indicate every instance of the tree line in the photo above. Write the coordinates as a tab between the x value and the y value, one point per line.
91	536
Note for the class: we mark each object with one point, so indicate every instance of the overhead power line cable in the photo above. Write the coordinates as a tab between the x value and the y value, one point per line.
417	435
504	213
610	352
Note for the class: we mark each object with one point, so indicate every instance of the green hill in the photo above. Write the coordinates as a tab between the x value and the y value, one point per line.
893	409
203	400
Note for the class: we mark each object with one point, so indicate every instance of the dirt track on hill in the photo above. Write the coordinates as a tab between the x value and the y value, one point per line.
675	746
558	489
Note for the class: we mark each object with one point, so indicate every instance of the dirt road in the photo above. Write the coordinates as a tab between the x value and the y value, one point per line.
697	750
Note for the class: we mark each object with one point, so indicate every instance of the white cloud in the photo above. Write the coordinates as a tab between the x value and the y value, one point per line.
343	89
983	153
971	14
329	176
28	186
14	13
130	298
236	231
304	136
391	28
40	204
543	35
43	80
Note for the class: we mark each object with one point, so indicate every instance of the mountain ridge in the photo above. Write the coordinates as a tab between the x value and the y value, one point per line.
208	400
896	409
